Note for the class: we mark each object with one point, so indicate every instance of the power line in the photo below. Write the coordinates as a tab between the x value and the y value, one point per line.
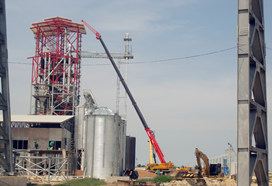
155	61
187	57
174	59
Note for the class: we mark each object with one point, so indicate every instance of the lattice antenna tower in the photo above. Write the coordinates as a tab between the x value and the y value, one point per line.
127	55
56	66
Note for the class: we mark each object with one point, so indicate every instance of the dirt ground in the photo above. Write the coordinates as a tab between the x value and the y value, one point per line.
145	174
208	182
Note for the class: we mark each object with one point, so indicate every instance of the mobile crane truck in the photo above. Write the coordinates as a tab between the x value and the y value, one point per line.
164	165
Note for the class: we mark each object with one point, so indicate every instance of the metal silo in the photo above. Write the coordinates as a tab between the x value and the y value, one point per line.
105	145
123	129
81	124
79	127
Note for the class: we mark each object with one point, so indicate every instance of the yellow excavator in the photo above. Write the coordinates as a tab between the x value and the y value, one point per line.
213	169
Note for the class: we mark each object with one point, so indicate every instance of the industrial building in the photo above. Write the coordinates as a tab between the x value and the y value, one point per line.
63	137
28	129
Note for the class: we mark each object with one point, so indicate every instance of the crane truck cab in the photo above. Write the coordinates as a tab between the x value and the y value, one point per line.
215	169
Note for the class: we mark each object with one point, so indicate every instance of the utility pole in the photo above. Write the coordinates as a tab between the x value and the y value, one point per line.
6	161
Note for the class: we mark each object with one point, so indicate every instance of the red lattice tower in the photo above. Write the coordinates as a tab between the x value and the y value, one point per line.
56	66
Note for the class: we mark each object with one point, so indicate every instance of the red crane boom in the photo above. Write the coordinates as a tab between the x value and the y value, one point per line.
147	129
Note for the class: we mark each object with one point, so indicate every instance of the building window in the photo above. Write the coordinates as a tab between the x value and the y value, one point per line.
55	144
20	144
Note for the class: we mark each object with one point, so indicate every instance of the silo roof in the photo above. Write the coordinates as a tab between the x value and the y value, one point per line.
103	111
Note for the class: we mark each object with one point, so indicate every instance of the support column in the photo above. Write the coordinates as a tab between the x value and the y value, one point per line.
5	131
252	103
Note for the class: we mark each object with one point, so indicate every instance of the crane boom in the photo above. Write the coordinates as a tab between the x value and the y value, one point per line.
147	129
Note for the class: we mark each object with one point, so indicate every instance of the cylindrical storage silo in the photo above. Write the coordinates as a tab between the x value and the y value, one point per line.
123	129
104	152
79	127
79	136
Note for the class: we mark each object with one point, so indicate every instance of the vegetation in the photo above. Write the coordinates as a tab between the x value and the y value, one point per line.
83	182
163	179
157	179
93	181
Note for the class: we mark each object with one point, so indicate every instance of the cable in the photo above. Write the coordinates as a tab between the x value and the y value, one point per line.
187	57
173	59
155	61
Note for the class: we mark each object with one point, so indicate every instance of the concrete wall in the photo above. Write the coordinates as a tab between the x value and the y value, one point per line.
13	181
42	136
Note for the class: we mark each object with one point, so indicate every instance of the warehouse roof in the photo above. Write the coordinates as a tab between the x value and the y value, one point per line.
38	118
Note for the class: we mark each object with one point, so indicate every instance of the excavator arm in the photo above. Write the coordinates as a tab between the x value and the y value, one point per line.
201	155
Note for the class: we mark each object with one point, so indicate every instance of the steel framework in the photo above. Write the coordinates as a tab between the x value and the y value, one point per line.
5	131
252	142
43	169
56	66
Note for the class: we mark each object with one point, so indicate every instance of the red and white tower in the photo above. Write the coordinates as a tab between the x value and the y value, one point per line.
56	66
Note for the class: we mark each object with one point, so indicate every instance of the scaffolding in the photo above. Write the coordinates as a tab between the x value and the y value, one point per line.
56	66
44	166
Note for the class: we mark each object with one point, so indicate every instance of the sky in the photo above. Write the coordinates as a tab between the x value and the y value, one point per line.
189	102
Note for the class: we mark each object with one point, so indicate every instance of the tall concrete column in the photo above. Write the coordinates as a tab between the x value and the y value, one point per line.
5	131
252	142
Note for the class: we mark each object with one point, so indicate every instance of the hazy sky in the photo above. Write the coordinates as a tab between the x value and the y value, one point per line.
188	102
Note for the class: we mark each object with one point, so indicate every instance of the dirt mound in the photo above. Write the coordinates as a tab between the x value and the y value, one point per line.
145	174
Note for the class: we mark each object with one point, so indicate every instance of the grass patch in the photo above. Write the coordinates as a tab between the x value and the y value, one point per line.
83	182
157	179
163	179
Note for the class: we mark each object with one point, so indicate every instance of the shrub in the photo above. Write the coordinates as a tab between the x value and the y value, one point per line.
83	182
